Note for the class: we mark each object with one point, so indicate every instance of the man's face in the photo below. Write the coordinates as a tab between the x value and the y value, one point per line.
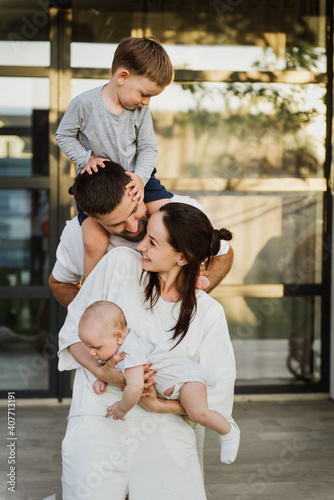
128	220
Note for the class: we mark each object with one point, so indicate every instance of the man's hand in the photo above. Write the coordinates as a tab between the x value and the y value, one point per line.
218	268
137	187
93	164
202	282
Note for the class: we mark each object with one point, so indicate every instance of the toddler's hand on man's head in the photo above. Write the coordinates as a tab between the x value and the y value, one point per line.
136	187
92	165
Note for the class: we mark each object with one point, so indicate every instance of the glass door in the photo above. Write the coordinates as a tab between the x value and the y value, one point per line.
243	129
29	199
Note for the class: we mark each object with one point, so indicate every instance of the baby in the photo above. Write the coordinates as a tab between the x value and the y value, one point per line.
103	329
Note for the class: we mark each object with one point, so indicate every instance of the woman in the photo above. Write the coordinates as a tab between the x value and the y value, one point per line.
151	455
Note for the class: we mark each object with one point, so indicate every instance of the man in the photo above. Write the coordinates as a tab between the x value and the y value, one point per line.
104	197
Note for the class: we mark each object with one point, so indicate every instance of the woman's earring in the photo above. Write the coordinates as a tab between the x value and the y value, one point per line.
178	264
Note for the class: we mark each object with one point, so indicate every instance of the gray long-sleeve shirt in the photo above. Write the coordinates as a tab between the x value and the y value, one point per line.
90	128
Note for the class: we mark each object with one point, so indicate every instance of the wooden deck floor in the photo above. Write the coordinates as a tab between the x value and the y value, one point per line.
286	453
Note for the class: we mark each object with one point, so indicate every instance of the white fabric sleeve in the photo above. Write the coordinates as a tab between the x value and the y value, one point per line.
216	356
147	148
136	353
64	275
224	248
69	264
67	135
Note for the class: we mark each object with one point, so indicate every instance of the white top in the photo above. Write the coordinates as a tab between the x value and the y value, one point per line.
69	266
116	278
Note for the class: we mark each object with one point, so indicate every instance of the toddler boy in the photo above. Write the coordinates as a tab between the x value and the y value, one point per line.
113	122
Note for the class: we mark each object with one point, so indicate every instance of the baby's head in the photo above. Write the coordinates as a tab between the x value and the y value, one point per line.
102	328
144	57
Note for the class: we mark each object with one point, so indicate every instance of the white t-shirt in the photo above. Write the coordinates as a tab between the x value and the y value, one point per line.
70	252
117	278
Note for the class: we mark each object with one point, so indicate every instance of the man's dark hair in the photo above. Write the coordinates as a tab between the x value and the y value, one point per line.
101	192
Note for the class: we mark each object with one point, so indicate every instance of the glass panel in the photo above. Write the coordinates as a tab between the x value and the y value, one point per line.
240	130
276	341
103	23
209	57
277	236
24	53
24	236
238	36
24	126
25	348
91	55
81	85
24	33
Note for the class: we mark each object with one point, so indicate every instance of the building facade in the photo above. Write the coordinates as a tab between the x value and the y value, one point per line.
246	129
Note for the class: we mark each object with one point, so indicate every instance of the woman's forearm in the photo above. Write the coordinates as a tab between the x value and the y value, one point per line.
108	373
81	354
160	405
171	406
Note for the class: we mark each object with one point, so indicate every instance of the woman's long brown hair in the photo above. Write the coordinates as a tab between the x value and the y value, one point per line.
191	233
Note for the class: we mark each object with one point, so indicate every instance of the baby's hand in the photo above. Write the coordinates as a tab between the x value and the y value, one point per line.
99	386
137	186
115	412
93	164
202	283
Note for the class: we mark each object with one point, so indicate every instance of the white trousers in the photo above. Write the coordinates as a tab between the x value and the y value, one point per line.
151	458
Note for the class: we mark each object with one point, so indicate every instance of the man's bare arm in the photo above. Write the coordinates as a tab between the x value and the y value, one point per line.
218	268
63	292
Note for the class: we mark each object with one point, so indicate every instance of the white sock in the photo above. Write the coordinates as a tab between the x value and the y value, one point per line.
230	444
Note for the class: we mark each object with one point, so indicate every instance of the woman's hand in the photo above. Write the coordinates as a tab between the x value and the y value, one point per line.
161	405
148	378
109	374
150	401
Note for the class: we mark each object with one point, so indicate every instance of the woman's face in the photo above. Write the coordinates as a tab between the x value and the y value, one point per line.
158	255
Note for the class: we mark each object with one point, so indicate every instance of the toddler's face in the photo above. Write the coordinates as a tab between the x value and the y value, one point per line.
136	91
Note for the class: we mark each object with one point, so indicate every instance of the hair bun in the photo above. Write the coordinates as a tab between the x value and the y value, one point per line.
224	234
